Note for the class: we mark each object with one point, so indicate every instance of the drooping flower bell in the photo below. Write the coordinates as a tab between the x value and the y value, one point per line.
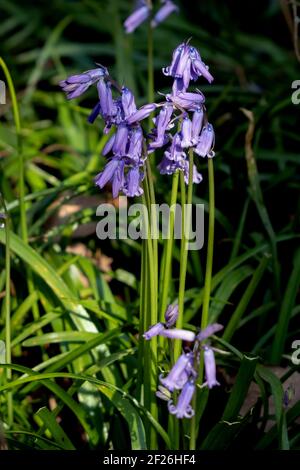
75	85
187	65
163	13
137	17
210	368
142	13
179	373
183	408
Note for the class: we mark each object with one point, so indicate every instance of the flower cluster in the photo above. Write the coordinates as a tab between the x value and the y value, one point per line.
184	373
124	170
143	11
126	147
193	131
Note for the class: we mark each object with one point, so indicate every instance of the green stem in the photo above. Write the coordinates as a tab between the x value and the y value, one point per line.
7	315
150	318
207	288
17	120
23	222
142	323
153	222
186	203
150	70
210	247
168	248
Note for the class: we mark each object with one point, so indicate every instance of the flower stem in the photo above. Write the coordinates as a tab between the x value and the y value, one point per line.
210	247
207	288
150	314
7	314
168	249
150	70
186	208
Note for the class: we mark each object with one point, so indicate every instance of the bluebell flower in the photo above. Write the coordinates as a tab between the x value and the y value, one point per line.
206	141
135	147
113	173
175	151
167	166
121	140
178	375
187	65
186	100
105	98
141	113
75	85
137	17
154	330
185	167
171	315
128	102
109	145
161	123
186	132
210	368
163	13
183	408
208	331
197	124
178	333
133	181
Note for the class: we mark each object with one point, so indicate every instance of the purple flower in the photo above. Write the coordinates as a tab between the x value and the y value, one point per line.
118	180
186	132
132	183
183	408
179	59
210	368
197	177
186	65
141	113
105	98
128	102
76	85
134	151
199	68
121	139
154	331
95	112
186	100
177	376
206	141
136	18
176	152
175	333
109	145
166	10
171	315
162	122
114	173
197	124
208	331
168	166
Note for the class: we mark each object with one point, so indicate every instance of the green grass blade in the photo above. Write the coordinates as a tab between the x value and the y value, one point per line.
245	299
286	311
56	430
